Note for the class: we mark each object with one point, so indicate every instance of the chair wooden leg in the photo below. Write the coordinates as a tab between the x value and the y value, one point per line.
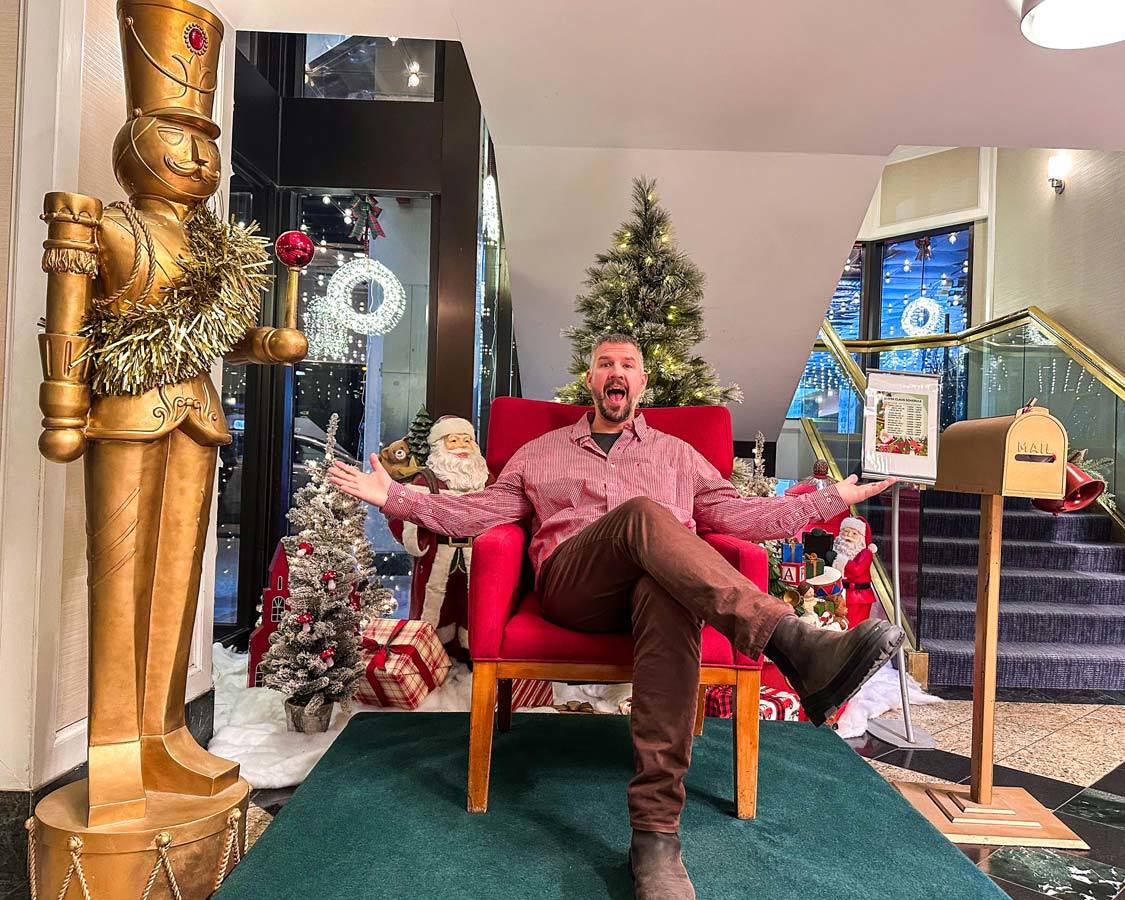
481	716
504	704
700	710
747	689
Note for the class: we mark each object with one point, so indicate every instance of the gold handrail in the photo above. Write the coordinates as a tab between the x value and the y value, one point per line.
880	580
1059	335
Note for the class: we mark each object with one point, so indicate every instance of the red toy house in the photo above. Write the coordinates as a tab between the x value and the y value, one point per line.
272	609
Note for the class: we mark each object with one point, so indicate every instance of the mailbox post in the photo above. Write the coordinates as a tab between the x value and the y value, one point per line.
1008	456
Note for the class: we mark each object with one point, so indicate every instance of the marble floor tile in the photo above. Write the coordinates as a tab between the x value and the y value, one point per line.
1098	806
1050	716
1069	755
1114	714
1055	874
936	717
868	746
939	763
1113	783
1008	738
257	819
1107	844
896	773
1015	892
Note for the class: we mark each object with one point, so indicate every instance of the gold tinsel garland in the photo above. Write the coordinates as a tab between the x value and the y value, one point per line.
202	315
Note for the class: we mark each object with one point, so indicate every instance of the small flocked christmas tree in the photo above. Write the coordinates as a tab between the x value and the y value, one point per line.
646	288
418	439
749	475
333	592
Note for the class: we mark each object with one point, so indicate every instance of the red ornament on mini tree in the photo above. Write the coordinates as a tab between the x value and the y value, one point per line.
304	549
328	579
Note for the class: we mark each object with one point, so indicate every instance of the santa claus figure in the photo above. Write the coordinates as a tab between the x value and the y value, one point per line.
854	557
439	589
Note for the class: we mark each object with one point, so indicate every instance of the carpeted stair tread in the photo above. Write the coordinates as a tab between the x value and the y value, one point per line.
1051	666
1090	557
1024	584
1031	622
382	815
1026	524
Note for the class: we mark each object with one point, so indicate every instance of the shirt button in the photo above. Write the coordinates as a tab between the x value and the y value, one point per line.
613	465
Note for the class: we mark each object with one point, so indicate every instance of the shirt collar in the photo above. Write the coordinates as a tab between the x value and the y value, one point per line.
581	428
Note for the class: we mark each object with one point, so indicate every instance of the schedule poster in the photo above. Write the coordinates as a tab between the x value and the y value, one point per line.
900	426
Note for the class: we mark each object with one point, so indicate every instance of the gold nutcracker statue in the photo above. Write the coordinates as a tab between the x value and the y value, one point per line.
141	297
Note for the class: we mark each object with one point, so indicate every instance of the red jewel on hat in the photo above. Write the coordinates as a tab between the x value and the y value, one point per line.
294	248
196	39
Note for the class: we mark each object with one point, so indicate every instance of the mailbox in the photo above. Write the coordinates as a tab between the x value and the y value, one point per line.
1010	456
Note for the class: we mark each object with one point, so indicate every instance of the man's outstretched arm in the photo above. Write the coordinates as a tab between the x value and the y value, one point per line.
719	507
464	515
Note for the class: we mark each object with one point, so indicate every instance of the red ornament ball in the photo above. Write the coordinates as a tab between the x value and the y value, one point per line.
294	248
327	652
328	576
304	549
304	618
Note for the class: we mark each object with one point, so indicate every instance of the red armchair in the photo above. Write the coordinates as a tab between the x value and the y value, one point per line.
509	638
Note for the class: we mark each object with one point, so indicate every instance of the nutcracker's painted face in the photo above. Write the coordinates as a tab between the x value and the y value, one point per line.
461	445
168	158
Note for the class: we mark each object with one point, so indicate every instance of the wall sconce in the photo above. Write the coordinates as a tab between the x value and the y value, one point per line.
1057	168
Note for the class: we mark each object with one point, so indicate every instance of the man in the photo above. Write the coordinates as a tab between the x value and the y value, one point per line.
609	499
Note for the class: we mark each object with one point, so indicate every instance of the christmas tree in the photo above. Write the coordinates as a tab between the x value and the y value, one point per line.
646	288
418	440
749	475
333	592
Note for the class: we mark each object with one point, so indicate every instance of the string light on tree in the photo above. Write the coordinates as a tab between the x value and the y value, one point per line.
490	211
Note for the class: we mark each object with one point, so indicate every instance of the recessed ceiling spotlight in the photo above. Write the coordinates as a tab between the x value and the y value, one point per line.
1073	24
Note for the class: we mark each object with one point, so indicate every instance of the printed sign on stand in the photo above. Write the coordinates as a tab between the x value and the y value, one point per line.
900	426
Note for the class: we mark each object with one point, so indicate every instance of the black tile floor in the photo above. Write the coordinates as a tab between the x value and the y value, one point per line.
1095	811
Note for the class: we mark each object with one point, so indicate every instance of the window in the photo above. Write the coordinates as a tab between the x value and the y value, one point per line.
353	67
277	609
368	368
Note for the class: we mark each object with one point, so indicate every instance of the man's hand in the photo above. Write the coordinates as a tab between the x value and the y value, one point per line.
851	492
368	486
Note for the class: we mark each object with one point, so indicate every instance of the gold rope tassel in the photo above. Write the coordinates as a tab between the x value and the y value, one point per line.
232	848
74	844
70	261
32	873
162	864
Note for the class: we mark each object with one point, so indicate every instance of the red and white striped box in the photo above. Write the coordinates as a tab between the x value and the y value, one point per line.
530	693
405	661
773	704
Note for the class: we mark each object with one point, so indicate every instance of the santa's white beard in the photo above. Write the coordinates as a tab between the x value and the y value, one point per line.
846	551
461	473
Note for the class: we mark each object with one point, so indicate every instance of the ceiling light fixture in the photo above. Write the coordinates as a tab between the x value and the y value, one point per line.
1057	169
1073	24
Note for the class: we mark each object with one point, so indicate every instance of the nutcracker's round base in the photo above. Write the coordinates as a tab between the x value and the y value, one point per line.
202	837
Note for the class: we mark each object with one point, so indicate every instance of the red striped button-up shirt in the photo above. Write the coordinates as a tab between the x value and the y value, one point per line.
563	482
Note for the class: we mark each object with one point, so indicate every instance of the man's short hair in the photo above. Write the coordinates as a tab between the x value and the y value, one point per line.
617	338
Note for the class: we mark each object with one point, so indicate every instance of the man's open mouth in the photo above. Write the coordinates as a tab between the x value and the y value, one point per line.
616	394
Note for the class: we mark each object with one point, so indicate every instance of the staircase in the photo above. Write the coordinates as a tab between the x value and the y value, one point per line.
1062	596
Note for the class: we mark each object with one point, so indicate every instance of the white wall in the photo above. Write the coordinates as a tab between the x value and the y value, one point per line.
771	232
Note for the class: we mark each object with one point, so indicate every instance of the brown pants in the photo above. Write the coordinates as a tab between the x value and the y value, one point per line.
639	569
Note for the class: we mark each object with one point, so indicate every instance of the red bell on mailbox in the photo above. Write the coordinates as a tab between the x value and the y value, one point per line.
1081	490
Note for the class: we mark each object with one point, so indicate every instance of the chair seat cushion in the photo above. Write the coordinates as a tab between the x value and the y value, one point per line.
528	637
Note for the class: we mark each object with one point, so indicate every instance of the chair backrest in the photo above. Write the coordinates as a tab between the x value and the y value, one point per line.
514	421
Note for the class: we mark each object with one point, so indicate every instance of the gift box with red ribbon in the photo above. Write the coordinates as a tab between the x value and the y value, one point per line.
531	693
405	661
773	704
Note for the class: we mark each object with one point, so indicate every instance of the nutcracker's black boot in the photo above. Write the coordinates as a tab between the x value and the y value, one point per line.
655	866
827	667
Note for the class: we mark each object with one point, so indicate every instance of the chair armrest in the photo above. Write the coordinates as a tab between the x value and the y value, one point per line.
750	559
494	587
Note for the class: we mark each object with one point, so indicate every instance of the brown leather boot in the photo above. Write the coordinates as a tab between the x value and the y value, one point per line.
655	866
828	667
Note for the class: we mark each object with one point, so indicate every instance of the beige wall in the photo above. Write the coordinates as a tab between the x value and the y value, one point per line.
1064	253
9	63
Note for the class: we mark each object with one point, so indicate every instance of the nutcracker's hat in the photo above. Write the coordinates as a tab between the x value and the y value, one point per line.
170	49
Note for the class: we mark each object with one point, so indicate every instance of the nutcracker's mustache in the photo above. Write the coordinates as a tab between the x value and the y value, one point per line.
193	170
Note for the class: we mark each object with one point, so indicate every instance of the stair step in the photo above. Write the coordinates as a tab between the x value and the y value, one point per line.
1054	666
1017	553
949	500
1027	622
1025	584
1028	525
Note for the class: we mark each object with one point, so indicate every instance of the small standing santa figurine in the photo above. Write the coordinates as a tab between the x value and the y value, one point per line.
854	557
439	591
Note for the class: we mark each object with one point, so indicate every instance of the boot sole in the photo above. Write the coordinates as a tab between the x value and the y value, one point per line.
878	647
